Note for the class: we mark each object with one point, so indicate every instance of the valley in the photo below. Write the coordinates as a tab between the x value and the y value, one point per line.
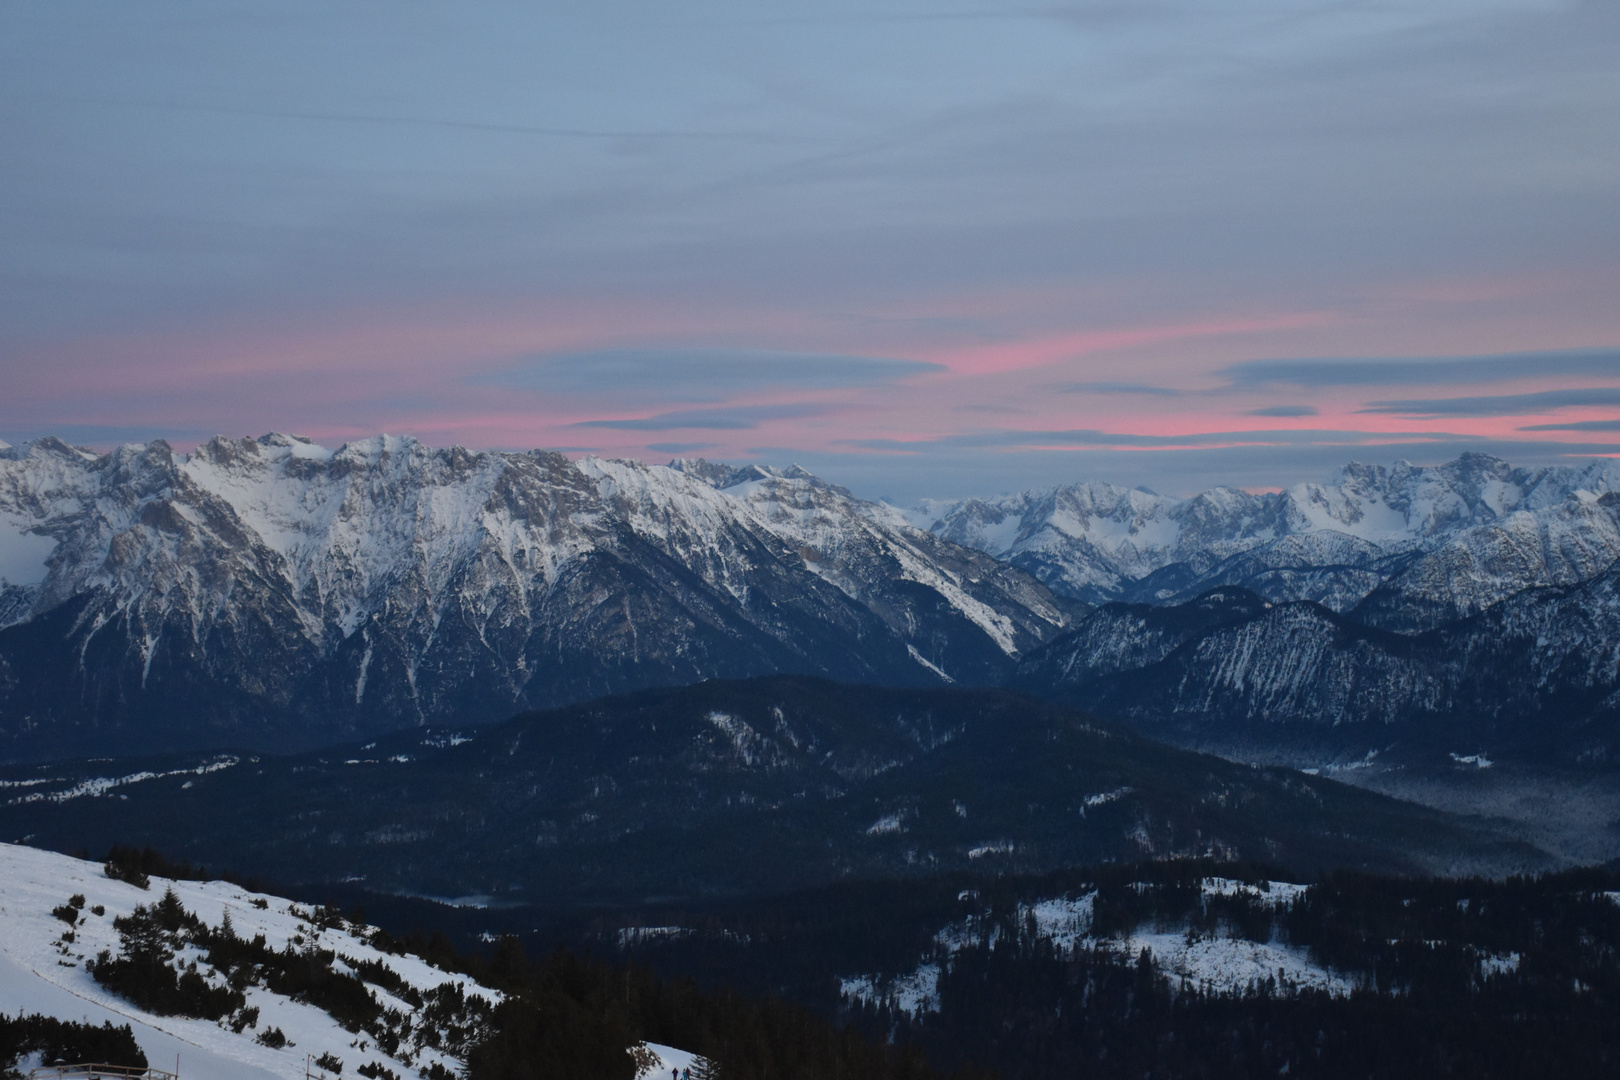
657	794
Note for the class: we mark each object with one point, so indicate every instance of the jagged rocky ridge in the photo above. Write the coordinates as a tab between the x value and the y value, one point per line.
273	593
1536	674
1403	548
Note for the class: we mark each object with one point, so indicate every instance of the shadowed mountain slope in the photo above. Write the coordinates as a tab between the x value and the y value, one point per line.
735	788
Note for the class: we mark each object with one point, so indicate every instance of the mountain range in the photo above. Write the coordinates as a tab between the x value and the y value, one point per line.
1537	674
1400	548
271	594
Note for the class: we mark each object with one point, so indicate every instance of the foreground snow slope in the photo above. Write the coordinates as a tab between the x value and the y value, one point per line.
42	973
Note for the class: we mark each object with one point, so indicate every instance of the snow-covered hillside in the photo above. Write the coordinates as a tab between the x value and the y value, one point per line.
44	968
272	592
428	1017
1436	543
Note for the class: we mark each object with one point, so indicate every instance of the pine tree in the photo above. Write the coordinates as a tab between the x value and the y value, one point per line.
170	914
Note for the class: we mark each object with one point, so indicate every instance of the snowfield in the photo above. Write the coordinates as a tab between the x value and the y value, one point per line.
1233	965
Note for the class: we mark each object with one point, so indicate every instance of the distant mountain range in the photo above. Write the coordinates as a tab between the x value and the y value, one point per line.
272	594
1402	548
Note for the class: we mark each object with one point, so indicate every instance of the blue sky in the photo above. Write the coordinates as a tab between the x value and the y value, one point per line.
922	249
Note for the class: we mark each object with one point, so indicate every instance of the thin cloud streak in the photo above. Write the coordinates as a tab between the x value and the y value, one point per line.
1081	437
1115	388
1499	404
736	418
1285	411
1465	370
1576	425
424	121
681	447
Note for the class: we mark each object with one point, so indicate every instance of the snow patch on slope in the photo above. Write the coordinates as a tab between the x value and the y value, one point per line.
100	785
1214	964
1233	965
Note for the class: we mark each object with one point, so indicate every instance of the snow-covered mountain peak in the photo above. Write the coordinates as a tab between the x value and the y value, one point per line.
1333	541
45	445
402	580
717	474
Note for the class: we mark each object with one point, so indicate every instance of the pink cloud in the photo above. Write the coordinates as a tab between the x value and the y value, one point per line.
1012	356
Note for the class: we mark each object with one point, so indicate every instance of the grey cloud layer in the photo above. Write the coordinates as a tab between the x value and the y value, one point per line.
1086	437
696	374
1577	425
870	171
302	160
679	447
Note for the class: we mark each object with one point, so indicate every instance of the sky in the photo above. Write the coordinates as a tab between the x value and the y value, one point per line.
931	249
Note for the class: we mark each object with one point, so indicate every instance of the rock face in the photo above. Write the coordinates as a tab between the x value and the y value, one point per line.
1536	674
272	593
1404	548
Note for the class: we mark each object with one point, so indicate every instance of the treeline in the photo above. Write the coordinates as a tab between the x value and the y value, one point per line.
145	972
1465	978
1037	1013
139	865
560	1017
570	1016
1454	977
65	1042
